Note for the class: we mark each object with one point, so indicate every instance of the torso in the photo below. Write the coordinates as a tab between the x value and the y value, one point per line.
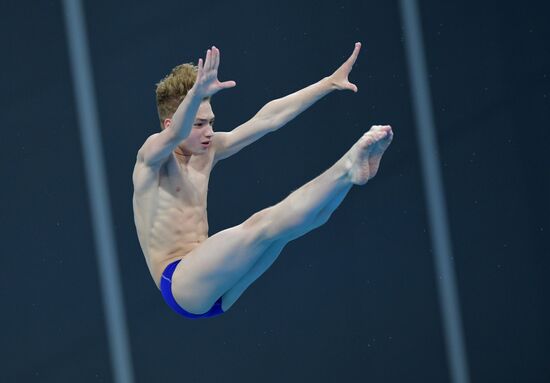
170	208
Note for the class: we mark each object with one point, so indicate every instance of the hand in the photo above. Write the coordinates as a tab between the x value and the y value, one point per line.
207	83
339	79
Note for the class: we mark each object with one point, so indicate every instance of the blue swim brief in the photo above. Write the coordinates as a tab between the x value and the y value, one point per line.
166	290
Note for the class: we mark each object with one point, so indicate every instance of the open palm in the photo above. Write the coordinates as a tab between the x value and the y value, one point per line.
207	83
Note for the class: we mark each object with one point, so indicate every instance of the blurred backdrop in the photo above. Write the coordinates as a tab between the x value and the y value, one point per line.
355	300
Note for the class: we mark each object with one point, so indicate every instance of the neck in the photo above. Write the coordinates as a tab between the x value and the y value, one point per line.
181	156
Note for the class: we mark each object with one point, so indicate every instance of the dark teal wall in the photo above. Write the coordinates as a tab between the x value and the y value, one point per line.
354	300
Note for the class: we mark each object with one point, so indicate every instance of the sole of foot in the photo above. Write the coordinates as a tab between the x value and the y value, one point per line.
366	154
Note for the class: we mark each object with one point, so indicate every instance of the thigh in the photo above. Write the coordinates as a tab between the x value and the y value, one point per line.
213	267
260	267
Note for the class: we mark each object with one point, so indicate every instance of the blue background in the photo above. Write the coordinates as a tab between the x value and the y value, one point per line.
353	300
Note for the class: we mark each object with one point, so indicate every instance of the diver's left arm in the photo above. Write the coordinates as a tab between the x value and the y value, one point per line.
283	110
277	113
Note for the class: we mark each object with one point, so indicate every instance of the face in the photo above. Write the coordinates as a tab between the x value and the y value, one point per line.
200	137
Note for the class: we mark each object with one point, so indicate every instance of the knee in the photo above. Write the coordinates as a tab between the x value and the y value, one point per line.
255	220
258	223
272	223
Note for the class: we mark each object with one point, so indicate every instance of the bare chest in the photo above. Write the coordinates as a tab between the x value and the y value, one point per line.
171	214
179	214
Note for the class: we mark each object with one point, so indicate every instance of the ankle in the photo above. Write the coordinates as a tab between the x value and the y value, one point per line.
345	165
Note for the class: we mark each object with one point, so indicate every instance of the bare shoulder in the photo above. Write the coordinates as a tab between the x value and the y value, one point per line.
145	176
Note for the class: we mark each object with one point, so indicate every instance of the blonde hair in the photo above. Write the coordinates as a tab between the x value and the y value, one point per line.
173	88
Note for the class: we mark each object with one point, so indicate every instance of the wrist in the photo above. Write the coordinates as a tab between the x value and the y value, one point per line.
329	83
197	93
193	93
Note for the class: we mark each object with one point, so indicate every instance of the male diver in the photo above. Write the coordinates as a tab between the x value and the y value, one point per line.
201	276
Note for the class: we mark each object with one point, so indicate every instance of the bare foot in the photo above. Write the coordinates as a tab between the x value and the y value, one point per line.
366	154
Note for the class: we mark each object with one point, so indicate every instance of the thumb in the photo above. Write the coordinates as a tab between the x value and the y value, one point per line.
228	84
352	87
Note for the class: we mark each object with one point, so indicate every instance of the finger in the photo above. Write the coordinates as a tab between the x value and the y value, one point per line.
199	71
355	53
228	84
207	62
216	55
213	57
353	87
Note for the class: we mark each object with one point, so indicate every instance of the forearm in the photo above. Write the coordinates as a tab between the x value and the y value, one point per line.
184	117
285	109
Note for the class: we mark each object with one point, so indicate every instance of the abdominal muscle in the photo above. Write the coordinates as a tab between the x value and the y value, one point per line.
171	218
175	232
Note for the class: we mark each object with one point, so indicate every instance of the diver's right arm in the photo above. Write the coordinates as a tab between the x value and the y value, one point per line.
159	146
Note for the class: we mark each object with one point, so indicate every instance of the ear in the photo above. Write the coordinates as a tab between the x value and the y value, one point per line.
167	122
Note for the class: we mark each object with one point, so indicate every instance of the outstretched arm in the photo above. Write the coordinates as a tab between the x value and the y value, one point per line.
277	113
285	109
